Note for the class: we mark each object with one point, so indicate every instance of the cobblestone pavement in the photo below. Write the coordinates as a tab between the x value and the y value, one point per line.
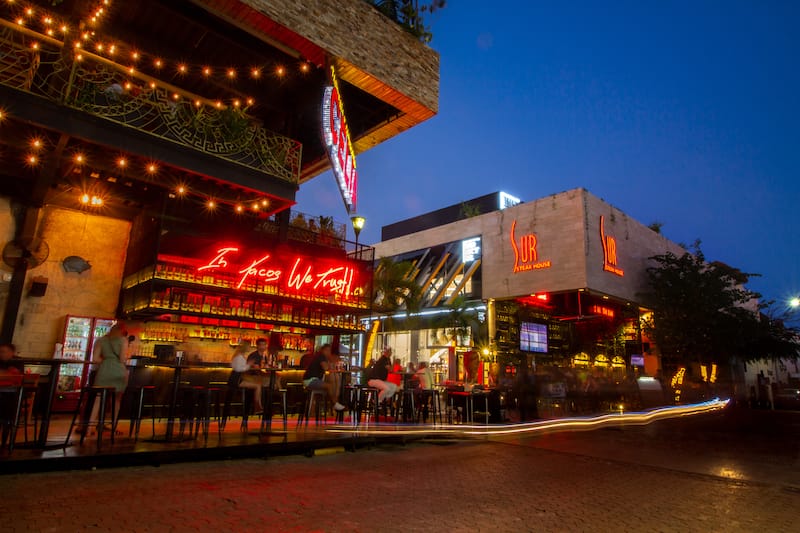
510	485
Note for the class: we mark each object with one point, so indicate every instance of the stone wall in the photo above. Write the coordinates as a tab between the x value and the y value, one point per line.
101	240
568	247
354	31
635	244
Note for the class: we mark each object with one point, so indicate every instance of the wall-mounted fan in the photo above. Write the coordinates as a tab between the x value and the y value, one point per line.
34	251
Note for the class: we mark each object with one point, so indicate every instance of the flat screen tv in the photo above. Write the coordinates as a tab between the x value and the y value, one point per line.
533	337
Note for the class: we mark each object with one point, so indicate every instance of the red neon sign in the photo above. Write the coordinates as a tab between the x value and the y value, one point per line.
305	276
609	251
525	255
338	144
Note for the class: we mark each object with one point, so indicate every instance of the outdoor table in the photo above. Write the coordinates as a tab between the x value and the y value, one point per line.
52	388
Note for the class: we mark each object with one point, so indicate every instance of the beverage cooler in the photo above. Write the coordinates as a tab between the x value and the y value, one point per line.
80	334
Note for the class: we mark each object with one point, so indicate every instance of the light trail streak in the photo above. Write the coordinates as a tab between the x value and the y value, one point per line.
542	426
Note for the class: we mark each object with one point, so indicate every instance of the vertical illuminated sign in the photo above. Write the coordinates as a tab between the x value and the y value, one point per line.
609	250
525	255
340	150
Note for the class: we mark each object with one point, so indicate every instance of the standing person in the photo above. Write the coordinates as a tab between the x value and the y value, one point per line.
307	357
111	351
425	391
378	375
313	378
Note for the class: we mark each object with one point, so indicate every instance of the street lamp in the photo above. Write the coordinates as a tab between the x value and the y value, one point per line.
794	303
358	224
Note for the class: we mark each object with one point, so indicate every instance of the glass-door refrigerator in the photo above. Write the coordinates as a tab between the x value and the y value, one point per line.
80	334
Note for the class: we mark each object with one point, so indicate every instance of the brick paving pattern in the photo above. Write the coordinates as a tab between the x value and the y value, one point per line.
466	486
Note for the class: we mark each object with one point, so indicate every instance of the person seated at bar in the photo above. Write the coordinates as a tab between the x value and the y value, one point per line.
396	374
9	367
424	376
260	357
307	357
313	378
378	375
247	376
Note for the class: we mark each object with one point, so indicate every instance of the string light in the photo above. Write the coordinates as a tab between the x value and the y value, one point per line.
211	204
32	160
152	168
181	190
50	23
122	162
36	143
239	208
79	158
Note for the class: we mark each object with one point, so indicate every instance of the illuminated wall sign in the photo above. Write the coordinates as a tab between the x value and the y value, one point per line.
609	251
506	200
337	142
525	255
602	311
470	249
295	274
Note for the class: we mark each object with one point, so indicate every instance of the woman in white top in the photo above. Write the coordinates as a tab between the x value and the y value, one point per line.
242	377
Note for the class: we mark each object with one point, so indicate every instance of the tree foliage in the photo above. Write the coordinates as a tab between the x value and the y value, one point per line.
395	288
704	313
410	14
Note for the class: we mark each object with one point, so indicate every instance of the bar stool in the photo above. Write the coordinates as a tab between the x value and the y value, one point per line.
138	396
196	407
12	390
367	404
87	399
455	400
406	400
314	397
266	416
480	396
429	403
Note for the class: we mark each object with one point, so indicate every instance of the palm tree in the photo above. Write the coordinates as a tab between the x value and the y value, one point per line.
395	288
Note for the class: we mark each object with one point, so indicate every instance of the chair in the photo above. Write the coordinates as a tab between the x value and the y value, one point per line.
85	405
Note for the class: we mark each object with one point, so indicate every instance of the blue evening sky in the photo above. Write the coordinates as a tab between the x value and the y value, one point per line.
683	112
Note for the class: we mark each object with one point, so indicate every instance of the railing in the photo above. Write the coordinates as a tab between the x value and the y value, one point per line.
47	67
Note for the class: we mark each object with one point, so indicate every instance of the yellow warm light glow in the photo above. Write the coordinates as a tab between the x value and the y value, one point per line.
158	63
280	71
211	204
79	158
231	73
255	207
122	162
85	199
32	160
152	168
304	67
256	73
181	189
239	208
265	202
36	143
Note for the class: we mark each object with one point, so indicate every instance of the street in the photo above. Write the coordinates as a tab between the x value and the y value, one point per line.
733	471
